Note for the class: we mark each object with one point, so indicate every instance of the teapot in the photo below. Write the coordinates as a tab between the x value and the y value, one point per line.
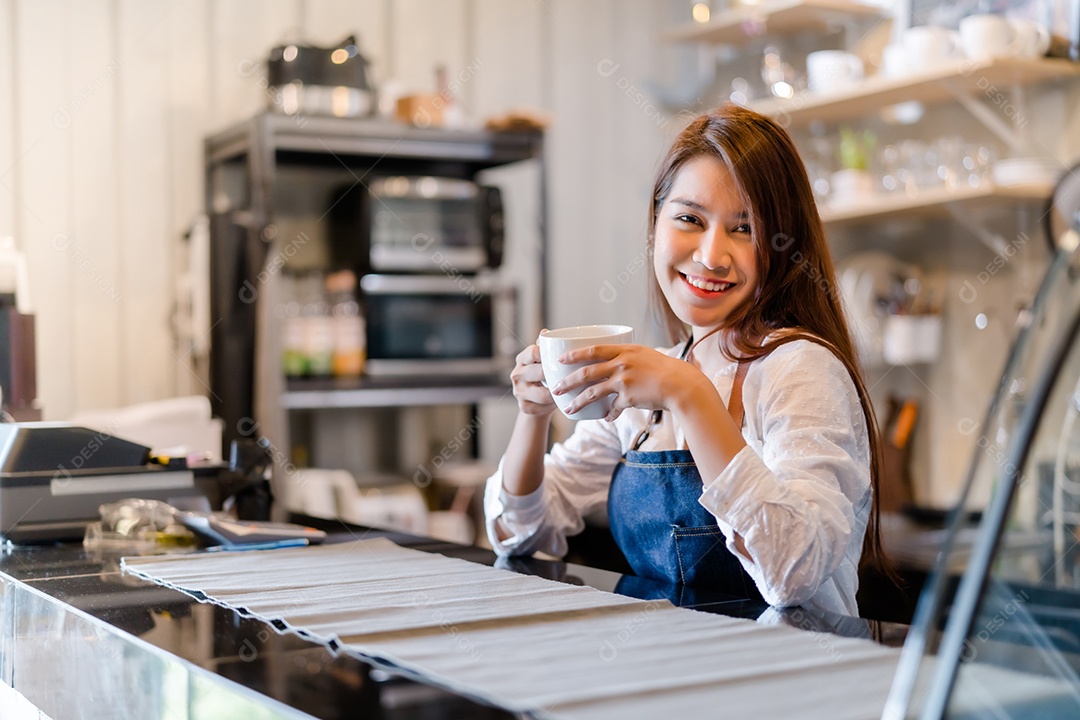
305	79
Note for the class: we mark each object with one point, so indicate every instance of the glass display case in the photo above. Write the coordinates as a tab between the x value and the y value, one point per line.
996	633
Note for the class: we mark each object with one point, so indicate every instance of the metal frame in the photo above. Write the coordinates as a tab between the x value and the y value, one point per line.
972	586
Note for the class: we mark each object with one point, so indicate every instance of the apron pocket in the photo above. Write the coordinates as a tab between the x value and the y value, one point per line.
703	557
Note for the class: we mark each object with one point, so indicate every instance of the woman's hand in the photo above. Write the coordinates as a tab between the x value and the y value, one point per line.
639	377
533	398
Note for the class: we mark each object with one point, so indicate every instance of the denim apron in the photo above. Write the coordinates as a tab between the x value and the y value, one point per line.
659	524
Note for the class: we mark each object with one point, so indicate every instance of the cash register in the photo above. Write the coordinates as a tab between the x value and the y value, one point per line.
54	476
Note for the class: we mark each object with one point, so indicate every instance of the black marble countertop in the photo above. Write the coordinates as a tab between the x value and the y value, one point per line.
81	640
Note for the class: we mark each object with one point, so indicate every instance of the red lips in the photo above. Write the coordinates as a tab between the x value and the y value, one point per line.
702	292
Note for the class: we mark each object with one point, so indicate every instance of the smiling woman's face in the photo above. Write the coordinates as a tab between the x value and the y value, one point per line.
703	255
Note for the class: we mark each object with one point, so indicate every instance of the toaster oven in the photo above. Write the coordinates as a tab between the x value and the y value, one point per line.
438	324
429	224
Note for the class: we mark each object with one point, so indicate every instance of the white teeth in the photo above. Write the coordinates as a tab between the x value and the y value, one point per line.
706	285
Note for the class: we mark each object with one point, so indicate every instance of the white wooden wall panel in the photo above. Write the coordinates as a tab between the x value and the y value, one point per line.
145	237
608	246
640	131
242	33
7	119
579	148
42	197
189	107
98	304
511	71
189	121
508	35
425	34
511	35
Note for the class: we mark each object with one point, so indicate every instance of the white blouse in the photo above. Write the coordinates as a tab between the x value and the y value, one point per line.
799	492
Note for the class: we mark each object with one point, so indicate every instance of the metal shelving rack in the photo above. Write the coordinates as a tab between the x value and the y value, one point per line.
242	164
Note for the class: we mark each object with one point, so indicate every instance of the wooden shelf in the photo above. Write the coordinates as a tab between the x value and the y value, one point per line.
979	79
930	202
785	17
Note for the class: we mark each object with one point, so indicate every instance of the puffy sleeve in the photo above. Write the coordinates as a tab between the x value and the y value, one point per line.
802	502
577	475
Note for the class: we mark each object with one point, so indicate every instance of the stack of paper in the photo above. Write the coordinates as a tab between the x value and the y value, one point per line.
529	644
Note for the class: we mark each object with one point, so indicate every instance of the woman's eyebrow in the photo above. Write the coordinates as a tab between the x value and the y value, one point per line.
739	215
688	203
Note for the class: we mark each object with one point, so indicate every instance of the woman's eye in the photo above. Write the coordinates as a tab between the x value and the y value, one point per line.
743	229
688	219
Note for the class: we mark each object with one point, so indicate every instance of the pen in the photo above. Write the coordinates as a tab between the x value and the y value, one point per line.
273	545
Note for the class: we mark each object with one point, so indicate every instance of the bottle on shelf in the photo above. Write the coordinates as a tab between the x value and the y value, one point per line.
453	115
293	340
349	347
318	327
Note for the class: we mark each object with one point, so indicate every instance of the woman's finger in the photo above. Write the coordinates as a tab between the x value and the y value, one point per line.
583	376
532	373
527	375
613	414
592	353
590	395
529	356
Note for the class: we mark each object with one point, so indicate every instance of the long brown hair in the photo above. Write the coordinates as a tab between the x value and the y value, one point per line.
797	292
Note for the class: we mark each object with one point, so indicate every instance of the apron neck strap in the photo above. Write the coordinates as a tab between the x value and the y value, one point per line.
735	404
686	348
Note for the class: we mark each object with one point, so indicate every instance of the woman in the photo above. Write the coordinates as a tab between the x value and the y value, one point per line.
745	456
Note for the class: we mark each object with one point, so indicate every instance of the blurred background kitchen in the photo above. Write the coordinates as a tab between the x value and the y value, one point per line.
933	133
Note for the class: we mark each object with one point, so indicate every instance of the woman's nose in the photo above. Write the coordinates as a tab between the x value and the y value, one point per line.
713	252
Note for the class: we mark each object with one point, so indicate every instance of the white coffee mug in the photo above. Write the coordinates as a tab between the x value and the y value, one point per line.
1032	38
987	36
830	70
554	343
929	46
894	60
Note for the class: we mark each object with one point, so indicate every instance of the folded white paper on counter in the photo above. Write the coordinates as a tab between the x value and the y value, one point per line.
530	644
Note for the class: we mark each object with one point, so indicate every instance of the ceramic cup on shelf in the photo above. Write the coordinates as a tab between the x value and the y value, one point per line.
832	70
850	185
986	36
929	46
894	60
1032	38
554	343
